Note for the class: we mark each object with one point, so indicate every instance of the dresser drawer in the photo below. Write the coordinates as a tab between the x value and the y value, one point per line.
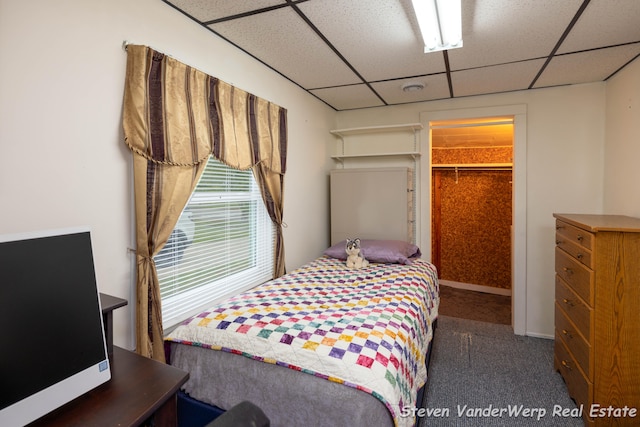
577	251
576	309
576	344
575	234
576	275
580	389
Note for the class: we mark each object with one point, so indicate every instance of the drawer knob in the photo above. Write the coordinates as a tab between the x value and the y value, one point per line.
558	242
559	227
567	270
579	256
567	333
579	237
568	302
566	364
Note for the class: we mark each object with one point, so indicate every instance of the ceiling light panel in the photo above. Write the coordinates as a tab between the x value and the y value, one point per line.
440	24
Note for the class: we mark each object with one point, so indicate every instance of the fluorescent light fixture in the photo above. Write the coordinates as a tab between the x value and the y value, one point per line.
440	23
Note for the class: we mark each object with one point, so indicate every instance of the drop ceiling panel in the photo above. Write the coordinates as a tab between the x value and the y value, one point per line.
477	81
381	39
355	53
283	40
436	87
209	10
571	69
604	23
348	97
502	31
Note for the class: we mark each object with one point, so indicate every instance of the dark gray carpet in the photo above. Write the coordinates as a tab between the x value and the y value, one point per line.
484	367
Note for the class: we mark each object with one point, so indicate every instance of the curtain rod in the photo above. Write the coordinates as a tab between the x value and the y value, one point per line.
126	43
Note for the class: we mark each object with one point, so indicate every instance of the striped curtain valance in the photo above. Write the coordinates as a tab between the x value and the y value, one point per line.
174	118
252	130
177	115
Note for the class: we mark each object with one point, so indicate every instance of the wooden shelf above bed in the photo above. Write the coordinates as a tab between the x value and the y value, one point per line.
365	142
411	127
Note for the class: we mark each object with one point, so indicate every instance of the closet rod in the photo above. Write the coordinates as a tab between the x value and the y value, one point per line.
473	167
462	168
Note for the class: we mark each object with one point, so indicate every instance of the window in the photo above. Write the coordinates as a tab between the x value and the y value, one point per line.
222	244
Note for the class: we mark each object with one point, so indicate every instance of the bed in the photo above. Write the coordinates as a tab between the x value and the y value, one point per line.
322	345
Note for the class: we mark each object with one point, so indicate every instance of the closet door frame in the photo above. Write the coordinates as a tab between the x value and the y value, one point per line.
519	234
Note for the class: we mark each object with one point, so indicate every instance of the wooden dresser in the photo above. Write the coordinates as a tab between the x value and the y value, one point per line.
597	314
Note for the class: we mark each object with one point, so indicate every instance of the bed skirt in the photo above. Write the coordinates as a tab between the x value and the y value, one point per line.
194	409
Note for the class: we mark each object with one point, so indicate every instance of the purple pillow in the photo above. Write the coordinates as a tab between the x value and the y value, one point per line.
383	251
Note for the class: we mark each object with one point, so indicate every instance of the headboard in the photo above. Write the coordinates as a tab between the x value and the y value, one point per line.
372	203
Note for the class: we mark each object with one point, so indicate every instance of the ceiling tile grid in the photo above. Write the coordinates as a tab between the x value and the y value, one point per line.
210	10
502	31
435	87
479	81
379	38
604	23
586	66
282	40
348	97
359	54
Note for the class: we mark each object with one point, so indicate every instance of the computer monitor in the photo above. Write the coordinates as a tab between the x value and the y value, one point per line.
53	344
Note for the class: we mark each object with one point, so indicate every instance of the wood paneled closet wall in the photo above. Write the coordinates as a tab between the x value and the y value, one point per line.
472	214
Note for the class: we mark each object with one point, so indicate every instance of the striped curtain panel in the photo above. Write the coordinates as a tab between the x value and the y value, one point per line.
174	118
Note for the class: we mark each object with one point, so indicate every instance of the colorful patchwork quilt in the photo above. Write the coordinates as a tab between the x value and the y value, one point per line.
368	328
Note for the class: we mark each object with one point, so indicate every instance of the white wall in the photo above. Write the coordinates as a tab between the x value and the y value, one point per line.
565	171
622	146
63	161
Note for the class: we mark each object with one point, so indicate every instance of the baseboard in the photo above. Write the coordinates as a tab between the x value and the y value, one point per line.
537	335
477	288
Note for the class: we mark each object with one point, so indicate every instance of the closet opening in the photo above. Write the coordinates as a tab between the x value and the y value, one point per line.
472	211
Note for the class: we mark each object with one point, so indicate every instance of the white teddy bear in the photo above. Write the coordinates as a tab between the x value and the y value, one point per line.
354	259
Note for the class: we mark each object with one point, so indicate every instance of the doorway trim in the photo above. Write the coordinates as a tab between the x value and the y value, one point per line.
519	232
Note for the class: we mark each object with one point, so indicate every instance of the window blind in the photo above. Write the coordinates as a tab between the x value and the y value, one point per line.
221	245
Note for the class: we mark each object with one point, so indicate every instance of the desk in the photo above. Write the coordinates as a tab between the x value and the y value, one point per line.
108	304
139	389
